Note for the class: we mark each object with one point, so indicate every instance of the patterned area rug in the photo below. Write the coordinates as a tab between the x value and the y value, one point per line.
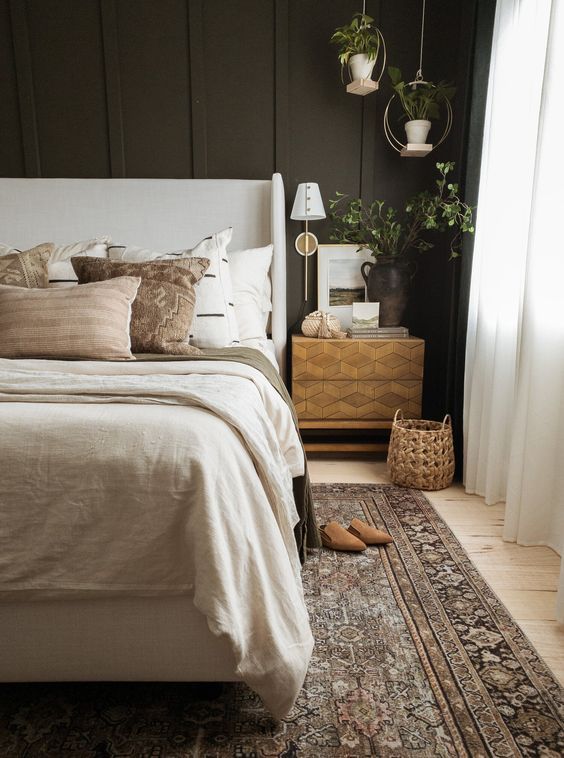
415	656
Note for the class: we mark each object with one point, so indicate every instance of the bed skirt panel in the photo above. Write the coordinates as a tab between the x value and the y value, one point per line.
118	639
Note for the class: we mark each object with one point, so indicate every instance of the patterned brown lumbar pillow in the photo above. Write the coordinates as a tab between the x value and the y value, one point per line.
164	307
27	268
90	322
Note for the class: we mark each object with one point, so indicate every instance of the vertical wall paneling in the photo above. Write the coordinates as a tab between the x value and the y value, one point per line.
113	88
366	167
209	88
281	84
239	63
282	111
24	78
155	87
324	126
371	123
198	90
11	147
67	62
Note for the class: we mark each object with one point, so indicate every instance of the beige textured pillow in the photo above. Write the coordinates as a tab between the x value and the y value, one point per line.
215	323
91	321
26	269
164	307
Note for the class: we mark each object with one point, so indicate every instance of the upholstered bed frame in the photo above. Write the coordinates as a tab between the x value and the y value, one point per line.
159	214
152	638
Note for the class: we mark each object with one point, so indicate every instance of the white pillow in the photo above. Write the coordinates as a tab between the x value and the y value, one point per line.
7	250
252	290
214	324
61	272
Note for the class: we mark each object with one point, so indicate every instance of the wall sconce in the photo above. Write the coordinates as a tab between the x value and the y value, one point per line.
308	206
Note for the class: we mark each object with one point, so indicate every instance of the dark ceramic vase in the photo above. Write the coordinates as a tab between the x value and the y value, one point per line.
387	282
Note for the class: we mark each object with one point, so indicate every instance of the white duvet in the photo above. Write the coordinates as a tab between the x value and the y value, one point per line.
159	477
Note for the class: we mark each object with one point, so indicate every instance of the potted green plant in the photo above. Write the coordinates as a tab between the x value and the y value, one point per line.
390	234
359	45
421	103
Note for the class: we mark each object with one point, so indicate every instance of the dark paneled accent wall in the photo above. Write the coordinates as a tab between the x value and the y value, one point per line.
232	89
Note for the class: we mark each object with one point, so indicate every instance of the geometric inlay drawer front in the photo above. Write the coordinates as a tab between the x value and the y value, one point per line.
346	359
350	400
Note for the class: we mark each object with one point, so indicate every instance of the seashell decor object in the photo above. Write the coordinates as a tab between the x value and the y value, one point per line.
322	325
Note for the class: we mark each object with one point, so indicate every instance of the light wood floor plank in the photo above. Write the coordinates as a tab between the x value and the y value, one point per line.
521	577
524	578
527	605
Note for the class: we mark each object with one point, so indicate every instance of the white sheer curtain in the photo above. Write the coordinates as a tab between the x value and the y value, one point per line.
514	384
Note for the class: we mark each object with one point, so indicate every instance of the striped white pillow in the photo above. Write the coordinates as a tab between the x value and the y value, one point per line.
215	323
61	272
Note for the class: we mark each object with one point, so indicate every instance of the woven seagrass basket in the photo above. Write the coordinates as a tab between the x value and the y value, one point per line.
421	453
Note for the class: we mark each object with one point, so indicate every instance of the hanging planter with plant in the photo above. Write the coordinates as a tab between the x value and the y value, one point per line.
390	235
361	47
421	102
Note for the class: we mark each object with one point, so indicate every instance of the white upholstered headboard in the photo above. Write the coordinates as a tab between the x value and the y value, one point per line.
155	213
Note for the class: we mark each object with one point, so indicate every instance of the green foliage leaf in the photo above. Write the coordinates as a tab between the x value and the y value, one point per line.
359	36
421	100
385	230
395	75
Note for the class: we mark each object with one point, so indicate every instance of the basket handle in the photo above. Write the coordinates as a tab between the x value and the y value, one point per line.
399	410
447	421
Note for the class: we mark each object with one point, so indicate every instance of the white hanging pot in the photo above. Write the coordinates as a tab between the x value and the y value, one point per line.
361	66
417	131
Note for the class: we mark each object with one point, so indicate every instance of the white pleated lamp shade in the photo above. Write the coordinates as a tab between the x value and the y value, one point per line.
308	205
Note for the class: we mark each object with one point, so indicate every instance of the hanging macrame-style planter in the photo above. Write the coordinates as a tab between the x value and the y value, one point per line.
421	100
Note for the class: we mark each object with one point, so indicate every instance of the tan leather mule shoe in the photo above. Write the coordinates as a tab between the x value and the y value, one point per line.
336	537
368	534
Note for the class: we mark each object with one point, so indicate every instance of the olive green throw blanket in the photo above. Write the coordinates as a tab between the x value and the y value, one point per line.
306	531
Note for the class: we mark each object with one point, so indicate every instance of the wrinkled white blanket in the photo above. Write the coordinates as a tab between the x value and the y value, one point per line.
146	478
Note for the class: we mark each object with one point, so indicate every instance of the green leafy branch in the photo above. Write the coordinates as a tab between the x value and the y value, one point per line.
357	37
380	228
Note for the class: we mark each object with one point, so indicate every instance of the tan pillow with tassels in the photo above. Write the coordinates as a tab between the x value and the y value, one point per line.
28	268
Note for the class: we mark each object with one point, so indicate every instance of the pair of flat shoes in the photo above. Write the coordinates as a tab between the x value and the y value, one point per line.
355	538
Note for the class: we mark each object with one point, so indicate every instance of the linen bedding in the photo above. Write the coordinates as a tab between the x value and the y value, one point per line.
160	477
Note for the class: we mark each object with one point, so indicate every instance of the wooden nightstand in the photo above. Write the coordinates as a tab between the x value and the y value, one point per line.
355	384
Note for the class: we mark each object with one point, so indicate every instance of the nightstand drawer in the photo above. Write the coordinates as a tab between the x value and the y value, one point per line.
367	400
350	359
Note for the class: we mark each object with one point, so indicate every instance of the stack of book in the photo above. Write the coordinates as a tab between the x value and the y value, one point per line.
378	332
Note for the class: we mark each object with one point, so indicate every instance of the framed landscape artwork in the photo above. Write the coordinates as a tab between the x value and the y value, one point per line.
339	281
